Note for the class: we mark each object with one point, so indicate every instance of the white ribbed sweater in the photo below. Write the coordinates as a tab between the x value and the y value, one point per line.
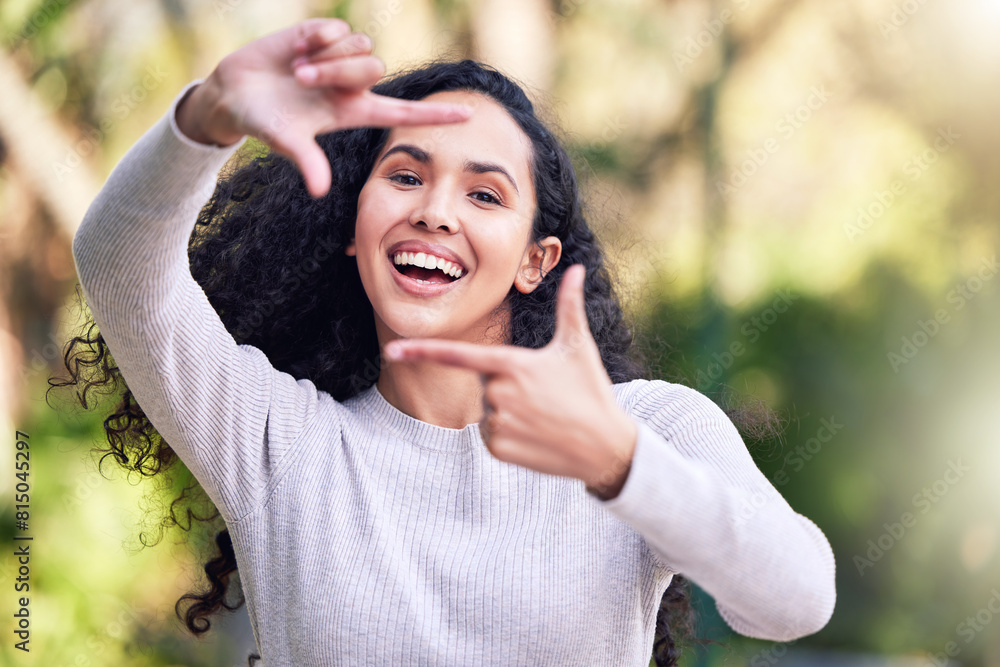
365	536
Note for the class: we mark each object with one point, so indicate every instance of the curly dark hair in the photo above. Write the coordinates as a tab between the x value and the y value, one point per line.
265	253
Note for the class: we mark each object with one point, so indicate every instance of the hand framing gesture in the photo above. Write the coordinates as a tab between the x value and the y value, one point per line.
550	409
289	86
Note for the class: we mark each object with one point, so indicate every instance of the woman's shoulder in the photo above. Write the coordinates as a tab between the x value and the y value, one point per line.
642	398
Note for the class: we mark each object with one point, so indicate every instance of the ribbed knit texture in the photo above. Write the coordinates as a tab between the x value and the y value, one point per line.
365	536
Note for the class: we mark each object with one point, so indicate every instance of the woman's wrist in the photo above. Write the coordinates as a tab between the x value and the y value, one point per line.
608	478
196	112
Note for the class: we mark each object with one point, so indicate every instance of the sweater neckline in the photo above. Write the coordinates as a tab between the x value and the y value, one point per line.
411	429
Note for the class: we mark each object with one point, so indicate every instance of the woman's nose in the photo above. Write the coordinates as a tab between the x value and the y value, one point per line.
436	213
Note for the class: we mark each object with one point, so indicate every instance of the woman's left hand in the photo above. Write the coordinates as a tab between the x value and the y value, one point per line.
551	409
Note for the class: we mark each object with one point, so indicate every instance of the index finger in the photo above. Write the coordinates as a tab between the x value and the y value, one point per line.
381	111
486	359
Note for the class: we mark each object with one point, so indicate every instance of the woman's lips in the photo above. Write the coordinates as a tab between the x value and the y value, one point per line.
417	288
436	249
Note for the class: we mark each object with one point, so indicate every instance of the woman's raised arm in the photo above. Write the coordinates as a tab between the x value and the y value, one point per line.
222	407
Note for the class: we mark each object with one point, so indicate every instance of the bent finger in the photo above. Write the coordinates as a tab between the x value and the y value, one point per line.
354	44
351	73
491	422
315	34
512	449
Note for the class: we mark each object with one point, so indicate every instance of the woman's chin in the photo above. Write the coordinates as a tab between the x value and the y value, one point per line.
420	323
407	320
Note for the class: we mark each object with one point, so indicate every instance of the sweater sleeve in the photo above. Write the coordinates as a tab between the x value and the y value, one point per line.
226	412
706	511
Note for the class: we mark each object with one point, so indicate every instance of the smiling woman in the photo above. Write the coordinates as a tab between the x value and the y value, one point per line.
506	489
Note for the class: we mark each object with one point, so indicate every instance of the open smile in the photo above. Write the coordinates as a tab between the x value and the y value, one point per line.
425	269
423	273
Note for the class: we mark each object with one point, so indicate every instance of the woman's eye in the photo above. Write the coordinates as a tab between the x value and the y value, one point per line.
404	179
487	197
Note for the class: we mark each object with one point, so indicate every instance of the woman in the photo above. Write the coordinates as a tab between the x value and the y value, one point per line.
414	411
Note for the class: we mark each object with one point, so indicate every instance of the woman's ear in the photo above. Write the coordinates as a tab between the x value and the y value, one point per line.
351	250
539	258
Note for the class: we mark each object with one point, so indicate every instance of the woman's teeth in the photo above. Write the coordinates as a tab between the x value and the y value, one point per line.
426	261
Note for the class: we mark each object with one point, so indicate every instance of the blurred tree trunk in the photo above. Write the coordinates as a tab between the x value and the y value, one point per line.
515	36
47	189
39	147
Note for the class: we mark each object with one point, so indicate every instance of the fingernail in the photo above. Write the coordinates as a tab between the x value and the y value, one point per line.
307	73
301	60
393	352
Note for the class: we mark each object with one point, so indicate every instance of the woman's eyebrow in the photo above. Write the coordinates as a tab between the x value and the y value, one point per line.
422	156
485	167
417	154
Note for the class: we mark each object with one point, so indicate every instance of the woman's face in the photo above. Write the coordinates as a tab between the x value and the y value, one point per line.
444	225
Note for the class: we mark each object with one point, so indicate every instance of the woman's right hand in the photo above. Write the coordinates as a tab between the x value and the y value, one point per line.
289	86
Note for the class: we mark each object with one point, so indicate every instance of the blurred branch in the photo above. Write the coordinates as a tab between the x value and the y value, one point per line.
37	145
761	32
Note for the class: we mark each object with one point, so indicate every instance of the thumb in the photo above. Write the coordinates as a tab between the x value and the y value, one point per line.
571	313
303	150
